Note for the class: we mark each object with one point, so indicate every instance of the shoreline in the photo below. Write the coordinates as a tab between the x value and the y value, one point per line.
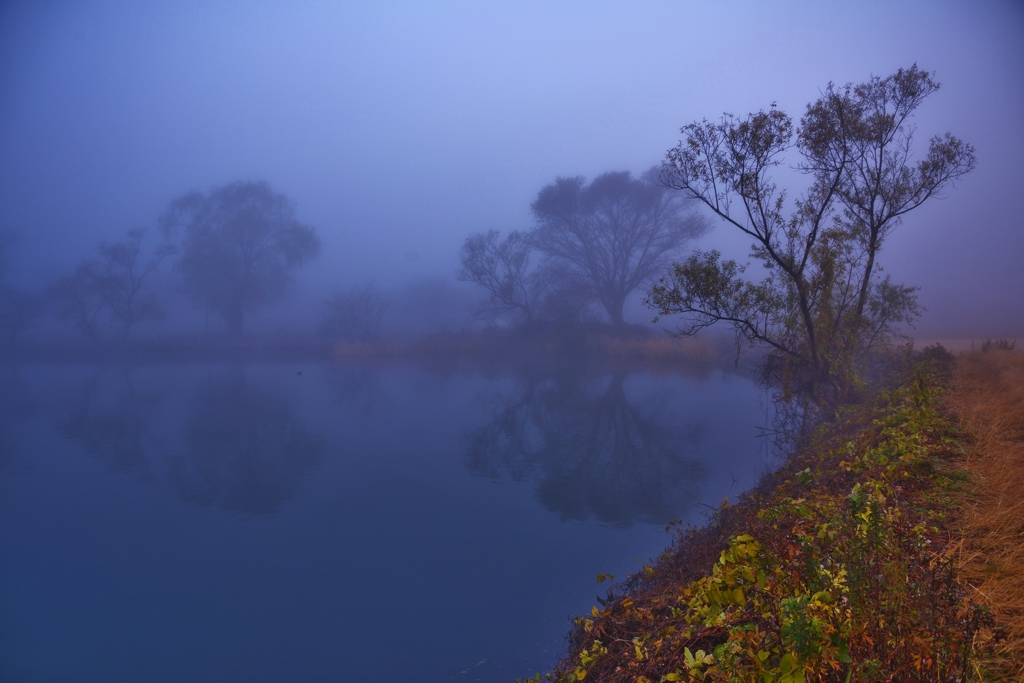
854	561
535	347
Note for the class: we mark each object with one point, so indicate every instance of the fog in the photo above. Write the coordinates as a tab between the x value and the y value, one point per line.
399	129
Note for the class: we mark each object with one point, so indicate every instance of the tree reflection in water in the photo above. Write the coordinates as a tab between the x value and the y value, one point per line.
592	451
244	450
106	414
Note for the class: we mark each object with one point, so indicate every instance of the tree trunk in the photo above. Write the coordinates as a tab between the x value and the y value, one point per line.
614	309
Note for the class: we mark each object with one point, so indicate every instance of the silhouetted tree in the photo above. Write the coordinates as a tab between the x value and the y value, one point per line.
124	270
527	292
614	234
502	267
111	283
355	315
78	299
241	243
822	307
19	307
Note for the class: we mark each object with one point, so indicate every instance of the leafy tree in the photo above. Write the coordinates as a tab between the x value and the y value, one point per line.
822	305
356	315
241	243
614	234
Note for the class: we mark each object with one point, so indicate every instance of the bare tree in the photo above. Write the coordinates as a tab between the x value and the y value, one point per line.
112	283
78	299
502	267
822	306
615	234
19	307
241	244
124	270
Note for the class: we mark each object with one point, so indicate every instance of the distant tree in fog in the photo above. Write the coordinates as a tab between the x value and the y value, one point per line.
124	270
111	285
615	234
517	287
355	315
78	299
240	245
18	307
502	268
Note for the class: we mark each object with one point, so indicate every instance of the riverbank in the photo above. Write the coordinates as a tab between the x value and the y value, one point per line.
886	549
541	344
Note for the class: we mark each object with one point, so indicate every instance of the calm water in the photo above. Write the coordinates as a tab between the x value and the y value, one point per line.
327	523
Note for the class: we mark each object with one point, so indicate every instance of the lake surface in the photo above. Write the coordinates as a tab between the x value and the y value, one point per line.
304	522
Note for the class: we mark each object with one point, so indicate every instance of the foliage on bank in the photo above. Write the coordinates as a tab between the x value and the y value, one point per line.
838	571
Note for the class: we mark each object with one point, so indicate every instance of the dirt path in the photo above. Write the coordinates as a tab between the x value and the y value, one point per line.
988	398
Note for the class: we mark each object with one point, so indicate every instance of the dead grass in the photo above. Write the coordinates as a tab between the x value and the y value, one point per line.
685	349
598	343
988	400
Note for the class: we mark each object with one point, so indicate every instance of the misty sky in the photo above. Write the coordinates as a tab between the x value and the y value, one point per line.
399	128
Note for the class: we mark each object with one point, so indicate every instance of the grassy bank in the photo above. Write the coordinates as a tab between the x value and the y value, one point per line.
850	563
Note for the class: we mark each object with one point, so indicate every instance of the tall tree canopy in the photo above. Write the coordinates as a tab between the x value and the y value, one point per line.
614	234
241	244
822	305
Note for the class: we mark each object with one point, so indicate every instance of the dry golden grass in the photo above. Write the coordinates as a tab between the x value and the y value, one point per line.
988	400
684	349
